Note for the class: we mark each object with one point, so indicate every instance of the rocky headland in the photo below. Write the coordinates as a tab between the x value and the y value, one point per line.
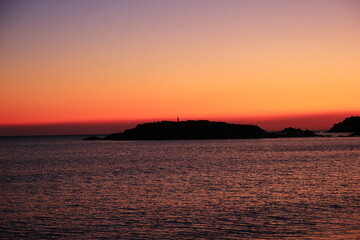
351	125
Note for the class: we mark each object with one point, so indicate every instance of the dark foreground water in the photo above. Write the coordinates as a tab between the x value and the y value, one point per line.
65	188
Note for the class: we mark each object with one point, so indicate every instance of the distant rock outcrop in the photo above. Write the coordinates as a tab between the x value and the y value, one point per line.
296	132
201	129
351	124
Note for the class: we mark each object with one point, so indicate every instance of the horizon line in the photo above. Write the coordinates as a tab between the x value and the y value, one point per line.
314	122
264	117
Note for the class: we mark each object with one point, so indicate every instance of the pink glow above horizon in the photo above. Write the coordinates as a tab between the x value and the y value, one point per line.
263	62
320	122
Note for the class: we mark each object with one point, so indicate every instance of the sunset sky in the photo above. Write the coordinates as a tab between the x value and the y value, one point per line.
127	61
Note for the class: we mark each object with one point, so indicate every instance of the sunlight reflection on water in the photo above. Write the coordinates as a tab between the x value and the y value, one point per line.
229	189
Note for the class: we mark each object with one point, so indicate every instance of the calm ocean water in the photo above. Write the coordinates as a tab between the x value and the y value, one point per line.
65	188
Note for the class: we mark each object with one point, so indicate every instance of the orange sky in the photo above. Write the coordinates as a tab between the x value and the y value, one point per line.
79	61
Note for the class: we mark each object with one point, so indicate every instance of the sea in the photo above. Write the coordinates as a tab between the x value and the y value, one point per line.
61	187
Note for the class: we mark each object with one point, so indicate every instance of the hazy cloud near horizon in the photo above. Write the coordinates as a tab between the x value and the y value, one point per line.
313	122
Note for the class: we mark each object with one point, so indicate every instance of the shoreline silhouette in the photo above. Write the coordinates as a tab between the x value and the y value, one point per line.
350	124
200	129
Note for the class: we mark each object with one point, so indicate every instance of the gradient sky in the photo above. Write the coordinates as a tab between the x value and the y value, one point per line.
86	61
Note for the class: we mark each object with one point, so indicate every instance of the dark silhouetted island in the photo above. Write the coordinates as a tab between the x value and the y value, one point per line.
296	132
201	129
351	124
